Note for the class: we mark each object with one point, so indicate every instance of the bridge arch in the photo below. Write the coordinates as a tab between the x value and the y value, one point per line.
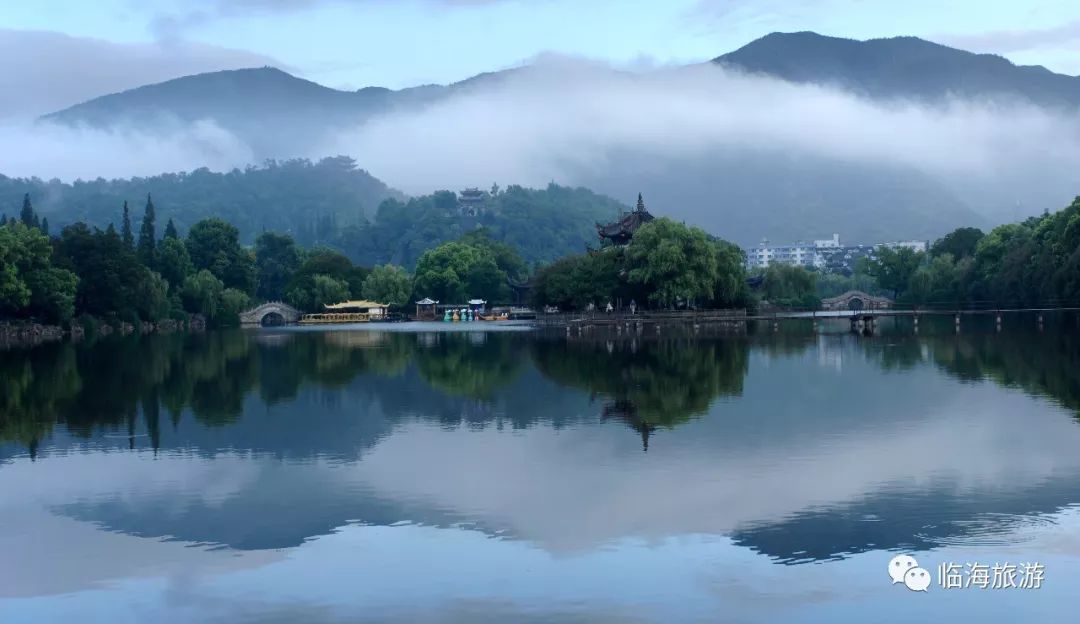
269	313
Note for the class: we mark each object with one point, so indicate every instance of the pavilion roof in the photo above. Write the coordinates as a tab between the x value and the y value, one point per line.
361	304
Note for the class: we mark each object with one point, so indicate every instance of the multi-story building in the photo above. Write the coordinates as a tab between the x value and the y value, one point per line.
914	245
826	254
800	254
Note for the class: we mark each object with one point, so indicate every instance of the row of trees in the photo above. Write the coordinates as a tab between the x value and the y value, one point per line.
1031	263
120	274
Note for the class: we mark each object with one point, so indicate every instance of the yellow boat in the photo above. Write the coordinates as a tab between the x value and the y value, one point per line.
347	312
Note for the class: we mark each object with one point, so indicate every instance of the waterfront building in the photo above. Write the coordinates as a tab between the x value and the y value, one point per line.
425	309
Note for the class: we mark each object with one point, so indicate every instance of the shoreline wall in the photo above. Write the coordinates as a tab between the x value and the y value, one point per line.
27	334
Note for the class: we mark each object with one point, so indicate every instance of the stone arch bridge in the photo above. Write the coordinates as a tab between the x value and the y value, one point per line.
269	313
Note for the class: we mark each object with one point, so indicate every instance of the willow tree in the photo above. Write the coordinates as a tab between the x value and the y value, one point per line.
676	263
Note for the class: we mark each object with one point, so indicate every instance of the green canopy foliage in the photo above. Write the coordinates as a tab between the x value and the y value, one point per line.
214	245
678	264
388	284
30	285
789	286
458	271
276	259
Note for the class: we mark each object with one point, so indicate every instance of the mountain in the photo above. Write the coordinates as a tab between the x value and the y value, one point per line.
742	194
900	67
274	112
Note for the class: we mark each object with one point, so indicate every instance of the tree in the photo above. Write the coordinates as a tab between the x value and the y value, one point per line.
202	293
45	226
214	245
388	284
790	286
174	262
170	230
456	271
960	243
30	285
276	259
506	257
148	236
315	294
674	262
233	302
893	268
574	282
27	215
731	289
112	282
152	296
125	229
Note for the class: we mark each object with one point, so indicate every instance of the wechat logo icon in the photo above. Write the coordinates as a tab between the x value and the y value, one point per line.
904	569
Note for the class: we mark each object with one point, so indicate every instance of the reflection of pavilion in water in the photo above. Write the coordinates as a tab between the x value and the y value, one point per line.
270	339
626	411
356	339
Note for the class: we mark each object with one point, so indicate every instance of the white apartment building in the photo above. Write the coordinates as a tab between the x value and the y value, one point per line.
799	254
914	245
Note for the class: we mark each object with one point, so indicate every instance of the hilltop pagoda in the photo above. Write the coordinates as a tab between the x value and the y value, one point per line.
620	232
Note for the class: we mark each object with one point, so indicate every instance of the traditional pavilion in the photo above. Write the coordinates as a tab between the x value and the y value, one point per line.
425	309
471	201
620	232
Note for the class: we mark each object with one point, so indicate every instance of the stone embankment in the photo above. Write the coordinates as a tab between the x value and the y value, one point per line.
22	333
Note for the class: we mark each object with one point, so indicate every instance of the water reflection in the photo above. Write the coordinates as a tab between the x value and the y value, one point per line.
794	447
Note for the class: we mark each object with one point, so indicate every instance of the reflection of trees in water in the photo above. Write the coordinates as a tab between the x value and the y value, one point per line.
471	365
109	383
1040	363
33	384
127	383
652	384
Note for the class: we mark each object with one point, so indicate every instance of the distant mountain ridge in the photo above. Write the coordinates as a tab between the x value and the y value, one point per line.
906	67
742	197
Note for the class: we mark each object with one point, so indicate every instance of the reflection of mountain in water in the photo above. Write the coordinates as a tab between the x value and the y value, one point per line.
787	462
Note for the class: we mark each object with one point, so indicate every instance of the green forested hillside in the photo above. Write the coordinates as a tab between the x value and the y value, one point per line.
331	203
309	200
542	224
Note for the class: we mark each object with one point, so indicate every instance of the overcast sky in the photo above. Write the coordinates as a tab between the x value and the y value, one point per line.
54	53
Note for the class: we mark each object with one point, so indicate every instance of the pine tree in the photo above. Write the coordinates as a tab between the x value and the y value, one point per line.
45	225
170	230
129	238
147	235
3	220
27	215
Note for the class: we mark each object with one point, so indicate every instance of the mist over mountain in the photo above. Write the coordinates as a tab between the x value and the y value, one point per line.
793	136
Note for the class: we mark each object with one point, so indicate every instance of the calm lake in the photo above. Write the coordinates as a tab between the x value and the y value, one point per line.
516	476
